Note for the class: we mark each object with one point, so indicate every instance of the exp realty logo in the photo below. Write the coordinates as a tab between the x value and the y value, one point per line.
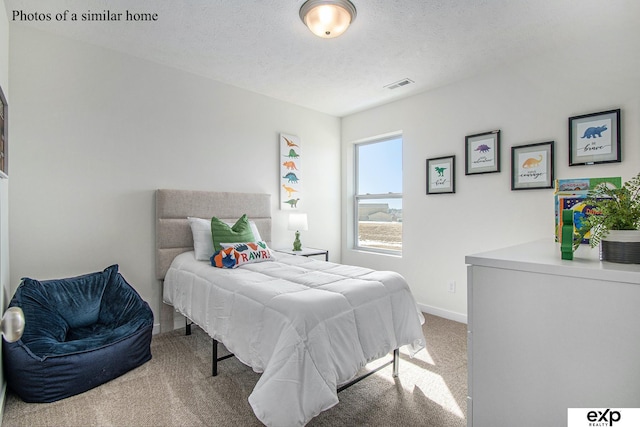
603	417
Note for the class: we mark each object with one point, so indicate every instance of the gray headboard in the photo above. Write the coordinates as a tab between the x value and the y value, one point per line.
173	233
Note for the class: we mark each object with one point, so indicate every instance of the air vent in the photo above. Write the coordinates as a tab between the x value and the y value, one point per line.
399	83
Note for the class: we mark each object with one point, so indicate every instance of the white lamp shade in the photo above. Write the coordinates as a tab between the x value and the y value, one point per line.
12	324
327	19
298	221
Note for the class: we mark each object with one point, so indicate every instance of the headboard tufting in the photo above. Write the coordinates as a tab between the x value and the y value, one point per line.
173	234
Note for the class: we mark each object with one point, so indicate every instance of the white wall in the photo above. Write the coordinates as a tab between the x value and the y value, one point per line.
95	132
530	102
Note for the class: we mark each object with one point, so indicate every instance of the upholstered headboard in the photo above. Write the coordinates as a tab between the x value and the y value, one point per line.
173	233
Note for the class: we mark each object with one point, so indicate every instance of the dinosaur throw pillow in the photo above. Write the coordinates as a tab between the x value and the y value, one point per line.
234	254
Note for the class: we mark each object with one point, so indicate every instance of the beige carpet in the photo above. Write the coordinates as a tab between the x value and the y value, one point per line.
176	389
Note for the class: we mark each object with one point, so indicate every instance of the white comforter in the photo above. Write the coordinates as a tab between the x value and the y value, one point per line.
307	325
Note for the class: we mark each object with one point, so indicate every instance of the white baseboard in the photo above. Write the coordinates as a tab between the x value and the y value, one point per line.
451	315
156	329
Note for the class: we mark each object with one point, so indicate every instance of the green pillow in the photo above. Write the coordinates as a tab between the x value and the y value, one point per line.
222	233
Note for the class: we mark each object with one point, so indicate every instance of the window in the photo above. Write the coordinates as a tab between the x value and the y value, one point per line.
378	195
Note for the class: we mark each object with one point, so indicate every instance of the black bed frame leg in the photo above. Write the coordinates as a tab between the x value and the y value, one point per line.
214	362
396	362
216	359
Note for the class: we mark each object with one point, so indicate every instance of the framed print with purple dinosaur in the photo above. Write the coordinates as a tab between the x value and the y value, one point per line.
441	175
482	153
532	166
594	138
290	172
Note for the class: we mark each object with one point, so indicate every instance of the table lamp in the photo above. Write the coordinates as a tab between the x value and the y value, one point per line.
297	222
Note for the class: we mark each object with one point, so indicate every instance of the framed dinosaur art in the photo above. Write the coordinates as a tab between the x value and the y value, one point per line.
482	153
441	175
290	172
532	166
594	138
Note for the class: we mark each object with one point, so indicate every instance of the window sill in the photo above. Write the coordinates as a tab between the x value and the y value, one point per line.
382	252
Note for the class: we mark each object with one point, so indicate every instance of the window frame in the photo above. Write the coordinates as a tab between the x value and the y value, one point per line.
372	196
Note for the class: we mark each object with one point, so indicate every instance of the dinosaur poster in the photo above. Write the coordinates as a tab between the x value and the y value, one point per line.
441	175
532	166
594	138
290	172
482	153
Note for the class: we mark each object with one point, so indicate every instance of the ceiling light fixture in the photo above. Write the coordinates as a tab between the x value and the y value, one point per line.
328	18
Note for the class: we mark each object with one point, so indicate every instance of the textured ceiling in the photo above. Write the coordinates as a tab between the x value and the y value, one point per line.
262	46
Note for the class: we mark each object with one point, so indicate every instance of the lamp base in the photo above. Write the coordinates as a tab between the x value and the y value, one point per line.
297	245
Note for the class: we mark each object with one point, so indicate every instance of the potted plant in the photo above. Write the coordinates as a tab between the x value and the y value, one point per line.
615	221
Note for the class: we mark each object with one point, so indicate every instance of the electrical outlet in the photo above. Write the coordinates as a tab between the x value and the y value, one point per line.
452	286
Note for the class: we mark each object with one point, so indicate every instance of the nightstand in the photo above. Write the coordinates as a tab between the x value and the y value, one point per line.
307	252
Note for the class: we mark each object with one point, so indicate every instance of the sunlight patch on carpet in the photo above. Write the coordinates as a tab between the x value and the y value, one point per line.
416	378
422	355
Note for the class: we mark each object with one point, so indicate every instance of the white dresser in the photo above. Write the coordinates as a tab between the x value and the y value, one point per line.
545	335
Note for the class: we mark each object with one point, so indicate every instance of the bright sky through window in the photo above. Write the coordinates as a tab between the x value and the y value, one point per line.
380	168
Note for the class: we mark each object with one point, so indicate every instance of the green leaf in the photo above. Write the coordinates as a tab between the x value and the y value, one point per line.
617	209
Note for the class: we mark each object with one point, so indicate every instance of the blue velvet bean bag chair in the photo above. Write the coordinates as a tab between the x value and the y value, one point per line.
79	333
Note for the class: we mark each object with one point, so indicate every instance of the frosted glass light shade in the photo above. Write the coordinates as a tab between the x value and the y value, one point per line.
328	18
298	221
12	324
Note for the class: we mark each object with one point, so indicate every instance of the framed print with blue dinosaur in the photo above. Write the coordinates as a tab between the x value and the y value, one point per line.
290	172
532	166
441	175
594	138
482	153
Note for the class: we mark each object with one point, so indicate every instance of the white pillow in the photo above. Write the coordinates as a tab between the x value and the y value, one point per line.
254	230
202	241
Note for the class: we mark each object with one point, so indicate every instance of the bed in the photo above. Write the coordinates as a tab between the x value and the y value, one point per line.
307	326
